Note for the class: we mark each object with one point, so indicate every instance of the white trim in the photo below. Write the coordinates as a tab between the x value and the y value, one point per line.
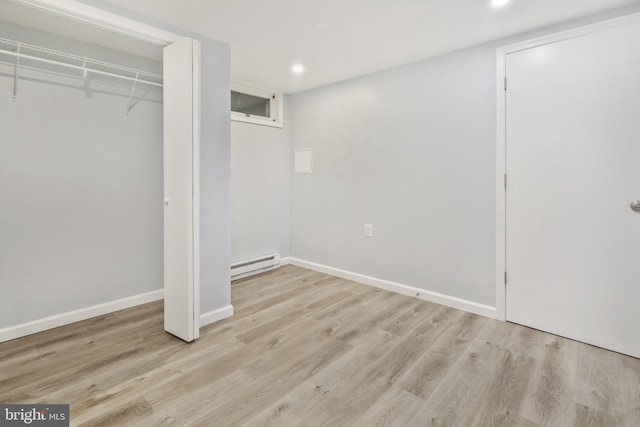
501	138
62	319
285	261
254	120
571	34
449	301
78	11
195	178
216	315
501	170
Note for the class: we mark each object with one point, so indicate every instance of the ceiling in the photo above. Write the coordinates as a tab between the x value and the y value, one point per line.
340	39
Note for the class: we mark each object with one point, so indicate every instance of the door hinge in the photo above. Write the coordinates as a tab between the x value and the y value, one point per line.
505	83
505	278
505	181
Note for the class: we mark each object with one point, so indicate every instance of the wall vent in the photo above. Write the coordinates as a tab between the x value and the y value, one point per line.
254	266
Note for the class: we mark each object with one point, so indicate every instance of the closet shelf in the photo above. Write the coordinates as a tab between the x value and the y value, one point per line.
86	65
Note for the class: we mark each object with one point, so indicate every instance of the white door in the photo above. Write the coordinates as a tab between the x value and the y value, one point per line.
181	189
573	166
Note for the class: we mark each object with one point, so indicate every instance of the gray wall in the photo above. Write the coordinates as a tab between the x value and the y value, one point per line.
80	186
215	238
260	189
410	150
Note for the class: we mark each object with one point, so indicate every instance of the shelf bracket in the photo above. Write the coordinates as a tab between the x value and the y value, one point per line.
15	75
132	91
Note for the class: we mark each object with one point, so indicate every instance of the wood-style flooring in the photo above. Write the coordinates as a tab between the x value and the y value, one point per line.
309	349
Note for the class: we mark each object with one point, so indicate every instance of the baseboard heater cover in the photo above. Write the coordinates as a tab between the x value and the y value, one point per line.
254	266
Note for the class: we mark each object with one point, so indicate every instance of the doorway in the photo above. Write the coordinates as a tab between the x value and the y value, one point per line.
572	199
105	27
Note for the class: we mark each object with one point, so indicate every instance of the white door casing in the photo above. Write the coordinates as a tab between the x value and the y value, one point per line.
571	152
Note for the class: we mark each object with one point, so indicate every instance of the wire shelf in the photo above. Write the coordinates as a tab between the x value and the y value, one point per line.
87	65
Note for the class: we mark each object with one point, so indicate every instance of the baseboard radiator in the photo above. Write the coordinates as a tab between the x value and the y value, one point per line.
254	266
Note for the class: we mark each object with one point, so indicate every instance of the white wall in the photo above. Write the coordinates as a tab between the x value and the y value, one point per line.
260	183
80	184
410	150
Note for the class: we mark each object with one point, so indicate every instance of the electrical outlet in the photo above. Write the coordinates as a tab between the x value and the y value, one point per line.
368	230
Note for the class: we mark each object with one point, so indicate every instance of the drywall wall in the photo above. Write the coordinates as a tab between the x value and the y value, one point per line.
260	189
411	151
80	183
215	241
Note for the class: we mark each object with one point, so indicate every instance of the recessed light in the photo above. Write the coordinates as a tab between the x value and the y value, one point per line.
499	2
297	69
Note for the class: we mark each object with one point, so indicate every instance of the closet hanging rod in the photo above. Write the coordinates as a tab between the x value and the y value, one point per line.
81	68
85	61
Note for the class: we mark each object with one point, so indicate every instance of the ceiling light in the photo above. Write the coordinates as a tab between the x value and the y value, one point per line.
499	2
297	69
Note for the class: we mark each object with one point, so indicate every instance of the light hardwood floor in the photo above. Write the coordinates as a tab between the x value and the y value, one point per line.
308	349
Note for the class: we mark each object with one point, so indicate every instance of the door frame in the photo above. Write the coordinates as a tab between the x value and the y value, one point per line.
501	138
91	15
75	10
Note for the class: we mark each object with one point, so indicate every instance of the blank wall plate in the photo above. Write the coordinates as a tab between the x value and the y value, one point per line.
303	161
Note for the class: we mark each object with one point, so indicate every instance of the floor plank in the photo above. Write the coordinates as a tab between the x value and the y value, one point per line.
304	348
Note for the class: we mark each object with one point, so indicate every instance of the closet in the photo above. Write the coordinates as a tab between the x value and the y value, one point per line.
87	194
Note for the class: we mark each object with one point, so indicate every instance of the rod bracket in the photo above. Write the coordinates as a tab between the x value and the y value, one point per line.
132	91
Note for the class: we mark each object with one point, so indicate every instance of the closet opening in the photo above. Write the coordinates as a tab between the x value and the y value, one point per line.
82	178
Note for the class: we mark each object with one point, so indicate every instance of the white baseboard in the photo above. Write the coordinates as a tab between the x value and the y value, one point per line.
285	261
216	315
449	301
35	326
